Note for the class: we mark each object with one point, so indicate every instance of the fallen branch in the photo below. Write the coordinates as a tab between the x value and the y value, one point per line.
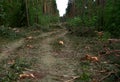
63	77
73	78
112	51
109	52
114	40
106	76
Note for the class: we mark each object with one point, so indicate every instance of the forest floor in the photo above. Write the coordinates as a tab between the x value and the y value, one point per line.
53	56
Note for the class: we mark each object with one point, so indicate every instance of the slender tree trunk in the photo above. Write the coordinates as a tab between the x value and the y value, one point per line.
27	14
44	7
37	19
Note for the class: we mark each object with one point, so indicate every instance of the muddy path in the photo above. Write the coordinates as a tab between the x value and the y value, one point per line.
54	66
47	63
41	55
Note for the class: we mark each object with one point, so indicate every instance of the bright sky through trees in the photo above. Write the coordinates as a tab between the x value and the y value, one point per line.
61	6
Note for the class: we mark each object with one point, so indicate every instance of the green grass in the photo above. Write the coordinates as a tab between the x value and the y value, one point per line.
10	34
56	46
96	45
11	72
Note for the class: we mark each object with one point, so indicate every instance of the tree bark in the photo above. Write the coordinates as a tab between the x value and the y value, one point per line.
27	14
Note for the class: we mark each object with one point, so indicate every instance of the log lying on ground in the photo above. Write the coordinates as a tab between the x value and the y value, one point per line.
109	52
114	40
113	51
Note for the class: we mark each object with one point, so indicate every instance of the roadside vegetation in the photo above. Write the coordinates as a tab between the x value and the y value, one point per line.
98	19
94	16
86	42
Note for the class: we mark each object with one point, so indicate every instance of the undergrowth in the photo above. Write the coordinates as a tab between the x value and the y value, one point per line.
57	47
10	33
96	71
11	68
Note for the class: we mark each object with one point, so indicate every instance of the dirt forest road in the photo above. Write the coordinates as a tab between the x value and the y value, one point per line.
53	56
47	64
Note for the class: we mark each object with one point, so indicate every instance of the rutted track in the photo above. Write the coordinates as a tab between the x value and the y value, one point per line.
53	67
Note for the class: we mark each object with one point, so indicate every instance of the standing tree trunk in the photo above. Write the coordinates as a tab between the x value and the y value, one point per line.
36	15
27	14
44	7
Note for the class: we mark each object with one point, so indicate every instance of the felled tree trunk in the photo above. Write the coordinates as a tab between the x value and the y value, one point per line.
114	40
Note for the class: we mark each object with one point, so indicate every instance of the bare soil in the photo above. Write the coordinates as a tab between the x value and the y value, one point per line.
51	61
46	64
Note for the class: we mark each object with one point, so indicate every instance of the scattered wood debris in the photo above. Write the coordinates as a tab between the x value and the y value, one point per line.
29	38
114	41
61	42
26	75
99	33
109	73
90	58
11	62
29	46
16	30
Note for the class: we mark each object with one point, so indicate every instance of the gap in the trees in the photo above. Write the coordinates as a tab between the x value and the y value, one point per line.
61	6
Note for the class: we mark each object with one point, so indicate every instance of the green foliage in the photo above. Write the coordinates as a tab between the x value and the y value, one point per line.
105	36
109	17
90	21
2	13
47	19
105	16
56	45
9	33
14	13
112	17
83	21
11	72
85	76
37	15
79	27
75	22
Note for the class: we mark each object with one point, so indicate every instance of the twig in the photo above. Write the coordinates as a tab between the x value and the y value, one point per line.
114	40
114	51
62	77
106	76
73	78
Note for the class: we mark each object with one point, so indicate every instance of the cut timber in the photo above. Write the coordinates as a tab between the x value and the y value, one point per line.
114	51
114	40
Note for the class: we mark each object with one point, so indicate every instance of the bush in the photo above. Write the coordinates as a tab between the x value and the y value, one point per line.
9	33
77	27
112	18
11	72
75	22
47	19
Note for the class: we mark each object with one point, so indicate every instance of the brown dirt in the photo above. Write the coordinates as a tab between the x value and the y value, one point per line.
53	62
54	69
